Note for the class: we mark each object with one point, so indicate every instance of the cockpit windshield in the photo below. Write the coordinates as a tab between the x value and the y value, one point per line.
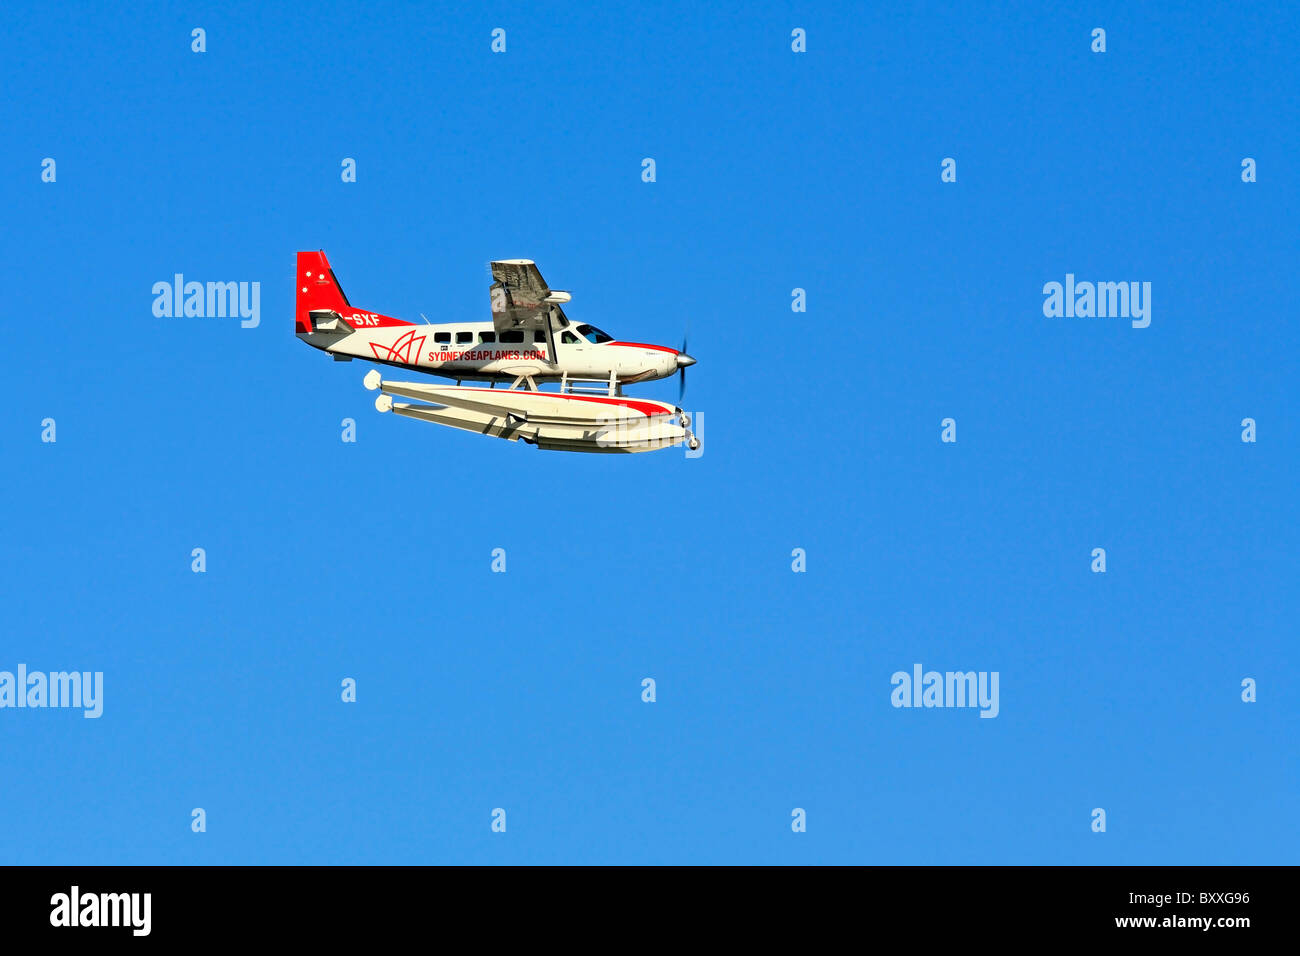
593	334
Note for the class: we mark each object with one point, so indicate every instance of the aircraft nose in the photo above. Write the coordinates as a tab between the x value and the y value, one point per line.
684	360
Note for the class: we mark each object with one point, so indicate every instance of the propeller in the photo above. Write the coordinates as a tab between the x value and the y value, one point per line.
681	375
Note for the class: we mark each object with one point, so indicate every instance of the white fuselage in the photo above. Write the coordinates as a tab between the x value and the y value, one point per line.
476	351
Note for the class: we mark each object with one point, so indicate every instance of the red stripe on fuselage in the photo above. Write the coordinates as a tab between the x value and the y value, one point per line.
643	345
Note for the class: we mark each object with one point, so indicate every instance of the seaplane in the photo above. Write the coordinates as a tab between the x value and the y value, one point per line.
529	343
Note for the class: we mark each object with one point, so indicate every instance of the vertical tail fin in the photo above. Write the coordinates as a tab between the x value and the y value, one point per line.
319	291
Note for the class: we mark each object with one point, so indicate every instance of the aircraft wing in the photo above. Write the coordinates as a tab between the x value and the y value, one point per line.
521	299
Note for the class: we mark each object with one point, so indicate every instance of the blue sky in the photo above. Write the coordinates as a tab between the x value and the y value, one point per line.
821	431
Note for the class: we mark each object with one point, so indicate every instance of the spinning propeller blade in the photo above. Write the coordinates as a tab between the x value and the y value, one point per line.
681	375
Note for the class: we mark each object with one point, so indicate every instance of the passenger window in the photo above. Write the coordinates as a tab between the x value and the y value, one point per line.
464	338
487	338
539	336
568	338
442	338
516	335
